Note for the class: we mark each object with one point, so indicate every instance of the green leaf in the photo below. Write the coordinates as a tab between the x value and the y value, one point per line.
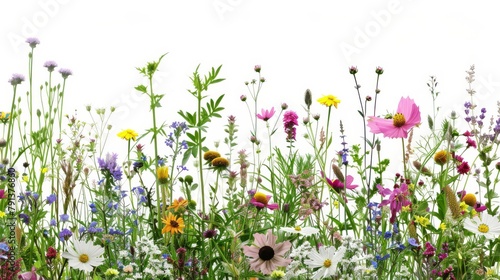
142	88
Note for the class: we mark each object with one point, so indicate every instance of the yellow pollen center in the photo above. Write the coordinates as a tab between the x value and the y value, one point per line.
297	228
483	228
398	120
327	263
83	258
260	197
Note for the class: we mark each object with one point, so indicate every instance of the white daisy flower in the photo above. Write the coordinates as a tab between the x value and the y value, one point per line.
327	260
488	225
306	231
84	256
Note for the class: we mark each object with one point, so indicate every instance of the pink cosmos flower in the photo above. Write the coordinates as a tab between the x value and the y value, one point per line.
265	254
398	198
407	116
266	114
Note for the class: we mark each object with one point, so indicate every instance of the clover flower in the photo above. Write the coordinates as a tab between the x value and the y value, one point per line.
16	79
65	73
32	41
290	121
50	65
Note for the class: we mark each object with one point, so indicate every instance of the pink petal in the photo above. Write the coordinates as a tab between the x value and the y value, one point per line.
273	206
348	182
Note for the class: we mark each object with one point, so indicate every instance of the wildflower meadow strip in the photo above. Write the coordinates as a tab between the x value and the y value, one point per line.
308	202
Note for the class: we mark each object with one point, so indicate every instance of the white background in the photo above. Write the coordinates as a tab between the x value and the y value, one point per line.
300	45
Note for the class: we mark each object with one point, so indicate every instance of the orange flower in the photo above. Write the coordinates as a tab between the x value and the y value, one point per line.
172	224
180	203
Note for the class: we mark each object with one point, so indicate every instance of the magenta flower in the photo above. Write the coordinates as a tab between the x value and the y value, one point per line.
398	198
30	275
407	116
266	114
265	254
261	201
463	168
2	194
290	121
338	185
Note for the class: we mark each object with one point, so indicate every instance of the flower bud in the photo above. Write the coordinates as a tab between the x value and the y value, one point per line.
353	70
379	70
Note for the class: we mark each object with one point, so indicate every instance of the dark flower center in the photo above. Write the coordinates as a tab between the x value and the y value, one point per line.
398	120
174	224
266	253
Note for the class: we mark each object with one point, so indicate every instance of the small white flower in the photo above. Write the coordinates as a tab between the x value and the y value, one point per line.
306	231
488	225
84	256
327	260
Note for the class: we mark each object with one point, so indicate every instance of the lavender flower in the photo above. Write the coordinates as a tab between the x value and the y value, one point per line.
51	199
109	164
50	65
64	217
16	79
25	218
65	234
32	42
65	72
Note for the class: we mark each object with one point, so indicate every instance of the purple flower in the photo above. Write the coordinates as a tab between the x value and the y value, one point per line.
210	233
4	247
65	72
32	41
65	234
16	79
25	218
51	198
64	217
109	164
290	121
50	65
266	114
52	223
413	242
398	198
429	249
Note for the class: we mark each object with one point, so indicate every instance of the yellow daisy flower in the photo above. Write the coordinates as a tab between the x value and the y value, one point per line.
329	100
128	134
